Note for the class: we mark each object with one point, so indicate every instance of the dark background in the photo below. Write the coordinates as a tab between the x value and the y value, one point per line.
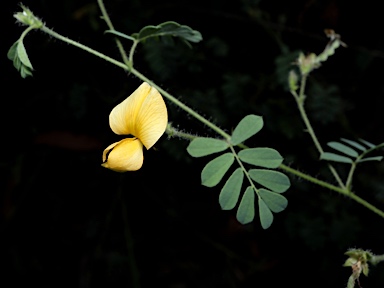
68	222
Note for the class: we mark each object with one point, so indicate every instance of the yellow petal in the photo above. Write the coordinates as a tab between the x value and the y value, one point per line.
143	114
126	155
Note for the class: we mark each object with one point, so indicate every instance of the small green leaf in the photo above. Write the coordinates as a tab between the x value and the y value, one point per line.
266	216
263	157
12	52
169	28
275	202
246	211
354	144
214	171
202	146
273	180
343	149
369	144
12	55
22	54
375	158
229	195
335	157
19	57
25	71
247	127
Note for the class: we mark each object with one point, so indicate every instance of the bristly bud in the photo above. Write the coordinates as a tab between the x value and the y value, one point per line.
293	79
334	43
27	18
307	63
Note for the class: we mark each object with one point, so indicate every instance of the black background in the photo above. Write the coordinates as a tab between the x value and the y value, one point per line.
68	222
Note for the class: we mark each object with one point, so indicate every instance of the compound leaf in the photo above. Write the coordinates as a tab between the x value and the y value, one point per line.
273	180
214	171
247	127
229	195
202	146
263	157
246	210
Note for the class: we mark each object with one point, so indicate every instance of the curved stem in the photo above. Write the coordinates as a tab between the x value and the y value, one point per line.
85	48
343	191
221	132
26	31
348	183
300	99
110	26
315	180
182	105
132	51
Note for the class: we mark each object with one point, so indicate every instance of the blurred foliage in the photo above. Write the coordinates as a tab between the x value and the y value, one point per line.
63	222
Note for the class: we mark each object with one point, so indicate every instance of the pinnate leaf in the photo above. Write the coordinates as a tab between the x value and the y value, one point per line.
246	210
263	157
273	180
214	171
18	55
343	149
202	146
169	28
275	202
374	158
369	144
247	127
354	144
335	157
266	216
229	195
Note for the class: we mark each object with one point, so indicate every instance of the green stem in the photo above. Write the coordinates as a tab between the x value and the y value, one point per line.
173	132
300	99
26	31
210	124
316	181
375	259
110	25
131	52
244	170
342	191
348	183
85	48
182	105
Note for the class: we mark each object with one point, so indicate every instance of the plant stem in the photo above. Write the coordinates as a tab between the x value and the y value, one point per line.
375	259
110	25
348	183
244	170
315	180
85	48
300	99
173	132
343	191
182	105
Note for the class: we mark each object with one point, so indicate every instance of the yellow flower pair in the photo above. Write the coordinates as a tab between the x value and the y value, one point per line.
144	115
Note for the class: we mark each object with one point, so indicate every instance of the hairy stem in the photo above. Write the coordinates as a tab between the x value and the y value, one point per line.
85	48
218	130
110	25
300	99
182	105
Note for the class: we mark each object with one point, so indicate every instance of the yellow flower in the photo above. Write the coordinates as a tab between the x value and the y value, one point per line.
144	115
